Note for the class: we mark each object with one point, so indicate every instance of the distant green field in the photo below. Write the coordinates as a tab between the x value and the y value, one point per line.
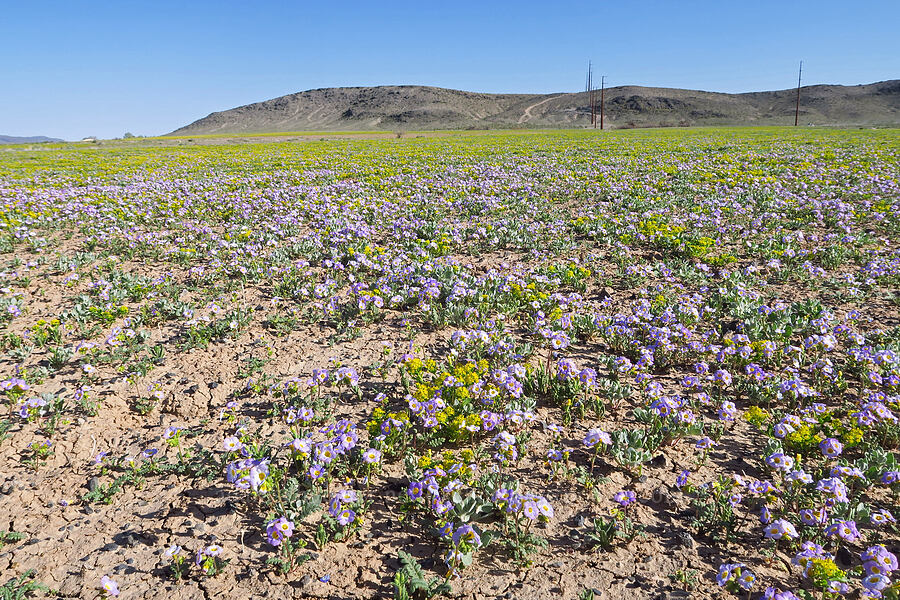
253	149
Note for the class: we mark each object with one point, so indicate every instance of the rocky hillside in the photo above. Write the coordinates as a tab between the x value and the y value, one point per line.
410	107
34	139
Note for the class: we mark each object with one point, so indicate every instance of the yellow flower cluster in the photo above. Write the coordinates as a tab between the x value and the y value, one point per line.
570	272
672	237
442	245
459	413
852	436
455	424
803	438
581	223
43	331
448	459
42	324
720	260
417	365
656	227
759	347
756	416
528	293
379	415
108	315
823	570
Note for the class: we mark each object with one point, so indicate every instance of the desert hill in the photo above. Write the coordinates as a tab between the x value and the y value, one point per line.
34	139
411	107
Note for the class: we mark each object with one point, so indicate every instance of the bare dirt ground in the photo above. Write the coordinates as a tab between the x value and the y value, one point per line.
70	542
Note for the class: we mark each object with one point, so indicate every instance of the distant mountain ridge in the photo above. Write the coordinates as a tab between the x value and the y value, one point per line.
34	139
409	107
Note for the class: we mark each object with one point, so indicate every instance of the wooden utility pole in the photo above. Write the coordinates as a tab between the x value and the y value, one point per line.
602	90
797	109
590	91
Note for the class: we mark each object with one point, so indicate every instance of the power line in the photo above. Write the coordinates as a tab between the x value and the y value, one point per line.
592	95
590	91
602	90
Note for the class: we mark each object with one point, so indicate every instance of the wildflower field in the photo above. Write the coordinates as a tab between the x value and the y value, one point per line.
637	364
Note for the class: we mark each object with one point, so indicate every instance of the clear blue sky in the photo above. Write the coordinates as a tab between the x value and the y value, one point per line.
77	68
